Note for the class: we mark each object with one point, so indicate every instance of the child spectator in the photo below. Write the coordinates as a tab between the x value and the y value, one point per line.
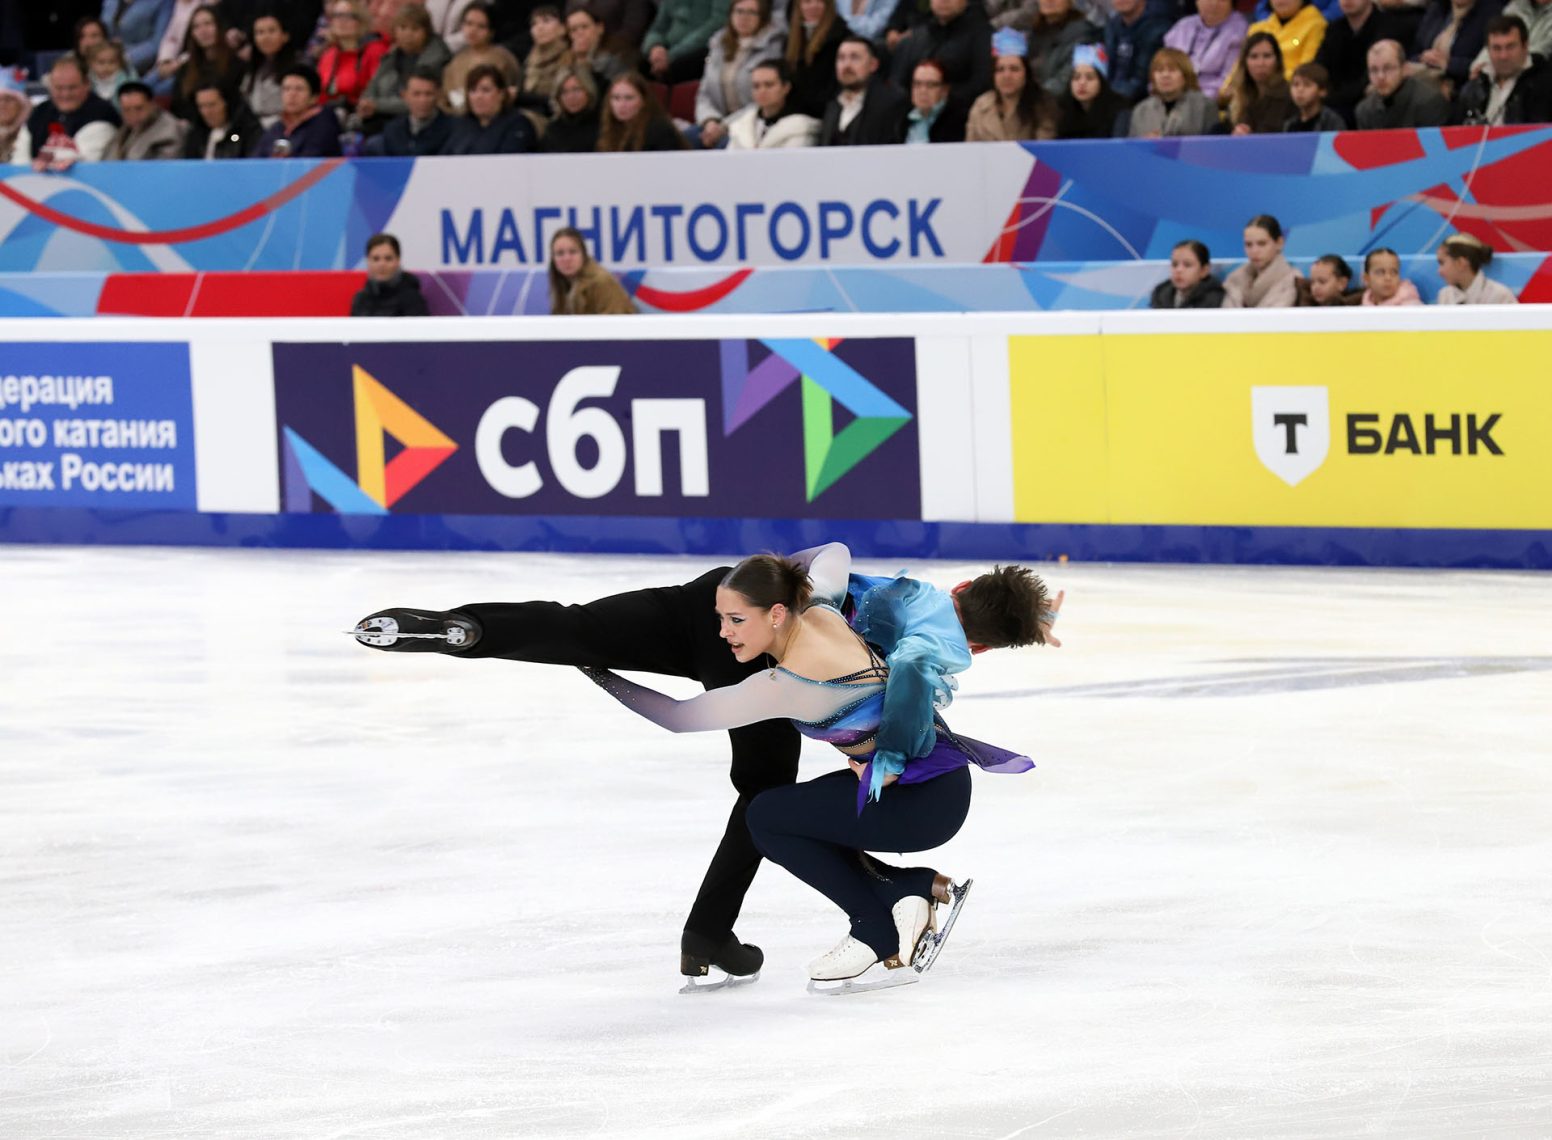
1329	281
1017	107
480	49
1256	95
1211	39
1132	36
389	290
579	286
770	121
1177	105
491	124
813	41
305	129
224	129
1462	259
1191	283
551	51
633	119
1382	280
1266	280
15	139
1298	29
1308	92
574	128
110	70
1088	109
749	36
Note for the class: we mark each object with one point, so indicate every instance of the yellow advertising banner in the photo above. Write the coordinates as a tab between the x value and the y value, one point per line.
1383	429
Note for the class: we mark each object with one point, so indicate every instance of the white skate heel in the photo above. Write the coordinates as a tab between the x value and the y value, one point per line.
913	919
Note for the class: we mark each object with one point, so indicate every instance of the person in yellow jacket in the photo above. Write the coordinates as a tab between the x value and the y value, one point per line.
1299	28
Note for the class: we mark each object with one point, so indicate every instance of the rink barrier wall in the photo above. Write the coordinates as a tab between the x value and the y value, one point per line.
992	288
1186	437
1030	202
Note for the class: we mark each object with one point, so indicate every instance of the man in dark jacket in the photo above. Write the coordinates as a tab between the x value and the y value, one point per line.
74	123
1132	35
866	111
1398	100
389	291
423	129
305	129
1515	87
959	37
1344	52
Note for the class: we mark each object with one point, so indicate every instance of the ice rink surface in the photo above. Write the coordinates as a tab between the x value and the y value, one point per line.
1284	870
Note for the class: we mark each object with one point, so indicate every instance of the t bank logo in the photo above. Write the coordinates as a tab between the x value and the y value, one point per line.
378	485
1291	428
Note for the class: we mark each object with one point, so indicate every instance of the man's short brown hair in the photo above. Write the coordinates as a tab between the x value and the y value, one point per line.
1003	608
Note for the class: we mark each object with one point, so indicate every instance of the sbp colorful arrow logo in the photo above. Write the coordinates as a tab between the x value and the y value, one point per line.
378	485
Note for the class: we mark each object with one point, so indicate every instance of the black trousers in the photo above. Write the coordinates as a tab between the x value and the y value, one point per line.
813	830
670	630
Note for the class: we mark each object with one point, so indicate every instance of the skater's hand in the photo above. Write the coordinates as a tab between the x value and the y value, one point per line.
859	769
1046	623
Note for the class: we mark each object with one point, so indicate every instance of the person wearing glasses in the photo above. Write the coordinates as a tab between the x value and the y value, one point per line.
1395	98
933	117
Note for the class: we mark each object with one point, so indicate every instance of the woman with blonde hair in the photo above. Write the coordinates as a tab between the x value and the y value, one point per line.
813	39
1462	258
1177	105
574	128
749	36
579	286
633	119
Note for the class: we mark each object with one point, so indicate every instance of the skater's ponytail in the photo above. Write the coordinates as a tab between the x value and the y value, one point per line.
768	580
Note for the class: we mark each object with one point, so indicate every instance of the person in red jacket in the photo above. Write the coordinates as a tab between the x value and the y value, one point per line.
349	62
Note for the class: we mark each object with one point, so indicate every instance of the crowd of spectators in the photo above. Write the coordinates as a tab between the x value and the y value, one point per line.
1266	279
272	78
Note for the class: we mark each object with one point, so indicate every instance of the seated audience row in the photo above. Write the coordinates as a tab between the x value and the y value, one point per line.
1267	281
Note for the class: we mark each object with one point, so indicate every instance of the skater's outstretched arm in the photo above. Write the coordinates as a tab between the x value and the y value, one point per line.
768	695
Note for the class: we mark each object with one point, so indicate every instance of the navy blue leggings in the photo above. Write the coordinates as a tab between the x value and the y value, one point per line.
813	830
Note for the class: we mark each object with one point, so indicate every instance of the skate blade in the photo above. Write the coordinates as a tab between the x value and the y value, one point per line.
869	979
933	944
715	979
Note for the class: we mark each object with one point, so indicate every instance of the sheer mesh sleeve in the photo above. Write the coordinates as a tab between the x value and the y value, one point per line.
765	696
829	568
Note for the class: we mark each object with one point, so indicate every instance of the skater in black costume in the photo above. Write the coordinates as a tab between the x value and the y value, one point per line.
672	630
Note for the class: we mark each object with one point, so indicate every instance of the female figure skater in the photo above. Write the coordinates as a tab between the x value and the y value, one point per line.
908	788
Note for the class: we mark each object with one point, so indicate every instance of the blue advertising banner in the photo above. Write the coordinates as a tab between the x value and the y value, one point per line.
774	428
96	425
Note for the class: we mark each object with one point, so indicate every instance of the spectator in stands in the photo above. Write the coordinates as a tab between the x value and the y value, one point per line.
1449	37
479	50
933	117
812	43
1211	39
299	19
1537	17
207	58
866	110
579	286
593	48
1088	109
109	69
959	38
1382	280
574	127
491	124
1515	86
447	23
351	58
1256	96
1329	280
1177	105
1397	99
139	25
1055	29
1132	37
1298	29
632	119
749	36
1462	260
770	121
868	18
550	52
15	139
73	123
626	20
90	33
415	48
423	129
148	131
1191	283
172	51
270	53
1017	107
305	129
675	44
1308	92
390	291
1344	52
226	127
1266	280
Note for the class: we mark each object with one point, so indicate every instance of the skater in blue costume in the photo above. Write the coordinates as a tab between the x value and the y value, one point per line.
871	686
